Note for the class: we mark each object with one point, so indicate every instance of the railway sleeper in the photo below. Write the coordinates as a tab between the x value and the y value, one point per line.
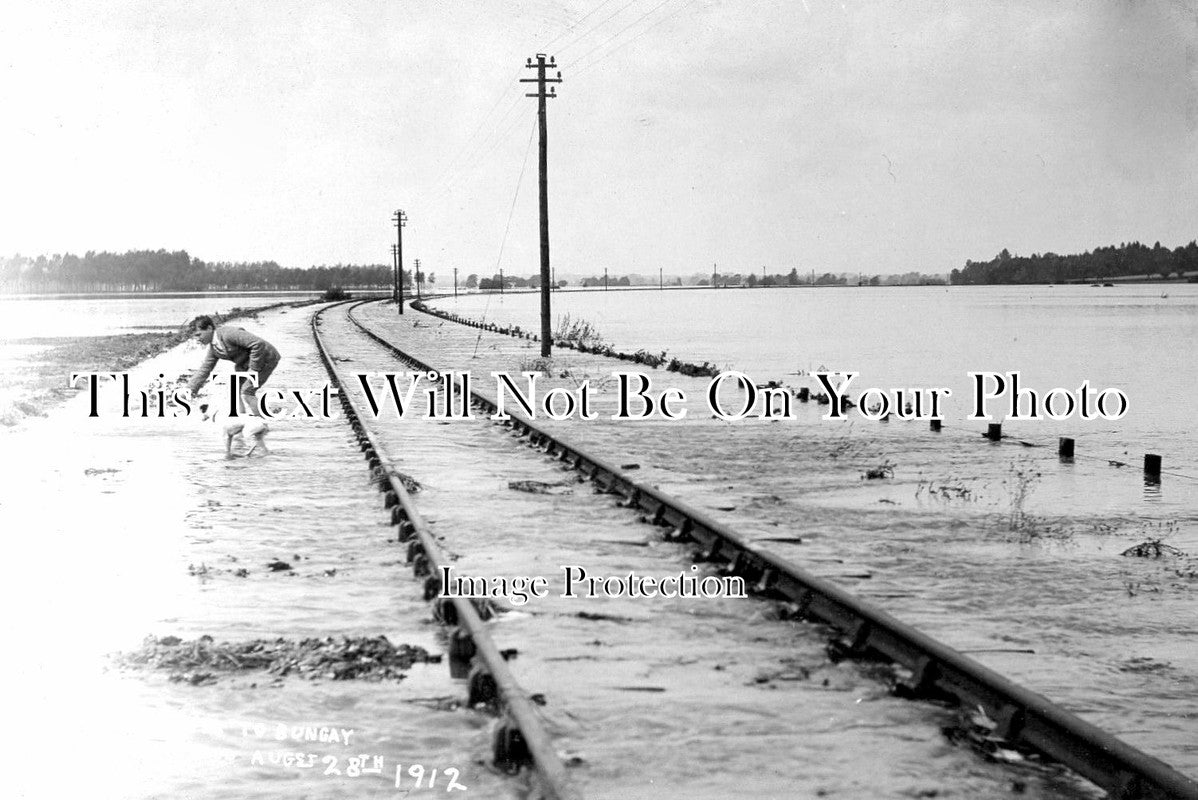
856	639
509	750
415	549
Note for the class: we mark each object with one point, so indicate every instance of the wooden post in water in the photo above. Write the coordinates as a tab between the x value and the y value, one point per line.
1065	448
994	431
1152	465
935	425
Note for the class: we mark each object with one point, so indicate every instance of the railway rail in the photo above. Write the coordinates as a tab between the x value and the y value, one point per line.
520	739
864	631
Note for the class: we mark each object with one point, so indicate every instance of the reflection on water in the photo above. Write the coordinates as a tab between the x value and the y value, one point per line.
990	546
43	317
1127	337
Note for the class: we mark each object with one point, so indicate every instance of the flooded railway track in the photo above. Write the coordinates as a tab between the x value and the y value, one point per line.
863	631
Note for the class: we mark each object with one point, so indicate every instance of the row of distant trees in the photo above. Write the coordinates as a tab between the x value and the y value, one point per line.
162	270
165	271
1128	260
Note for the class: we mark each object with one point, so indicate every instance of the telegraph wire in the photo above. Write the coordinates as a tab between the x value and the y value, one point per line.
579	38
507	228
581	20
583	70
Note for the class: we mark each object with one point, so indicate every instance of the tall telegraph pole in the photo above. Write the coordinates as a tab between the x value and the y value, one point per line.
419	280
541	95
401	220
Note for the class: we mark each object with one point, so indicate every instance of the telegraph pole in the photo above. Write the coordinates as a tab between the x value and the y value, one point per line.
395	272
541	95
419	279
455	283
401	220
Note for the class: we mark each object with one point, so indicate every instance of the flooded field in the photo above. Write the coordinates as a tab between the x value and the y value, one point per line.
136	529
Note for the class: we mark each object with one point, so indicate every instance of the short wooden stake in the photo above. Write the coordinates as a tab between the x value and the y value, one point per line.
994	431
1065	447
1152	465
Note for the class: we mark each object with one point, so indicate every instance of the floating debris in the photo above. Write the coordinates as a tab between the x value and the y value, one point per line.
198	662
539	487
978	731
602	617
1144	664
410	484
278	566
883	470
1153	548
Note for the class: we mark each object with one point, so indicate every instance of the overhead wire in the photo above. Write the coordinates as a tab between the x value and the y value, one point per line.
564	33
594	28
475	150
491	130
588	67
617	34
508	227
466	153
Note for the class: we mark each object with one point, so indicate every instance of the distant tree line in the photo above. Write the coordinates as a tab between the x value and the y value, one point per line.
1129	260
163	271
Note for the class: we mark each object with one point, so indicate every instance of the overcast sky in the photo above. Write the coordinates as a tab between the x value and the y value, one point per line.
819	134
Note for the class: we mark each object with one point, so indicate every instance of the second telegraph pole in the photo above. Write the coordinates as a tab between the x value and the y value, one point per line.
542	95
400	219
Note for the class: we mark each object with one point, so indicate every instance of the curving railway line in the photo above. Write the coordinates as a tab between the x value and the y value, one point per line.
856	631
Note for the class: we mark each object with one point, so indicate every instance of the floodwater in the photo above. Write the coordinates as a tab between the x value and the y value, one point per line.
122	528
998	549
38	316
1127	337
32	326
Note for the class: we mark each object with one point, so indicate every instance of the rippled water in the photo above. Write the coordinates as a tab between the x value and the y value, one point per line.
1126	337
38	316
998	549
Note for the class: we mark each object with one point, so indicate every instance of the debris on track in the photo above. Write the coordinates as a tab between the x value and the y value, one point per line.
540	487
1153	548
371	658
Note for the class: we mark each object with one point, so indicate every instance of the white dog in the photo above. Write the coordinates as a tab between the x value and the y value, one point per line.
255	427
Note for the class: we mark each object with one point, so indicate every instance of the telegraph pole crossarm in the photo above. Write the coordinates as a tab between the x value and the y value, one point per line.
541	95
